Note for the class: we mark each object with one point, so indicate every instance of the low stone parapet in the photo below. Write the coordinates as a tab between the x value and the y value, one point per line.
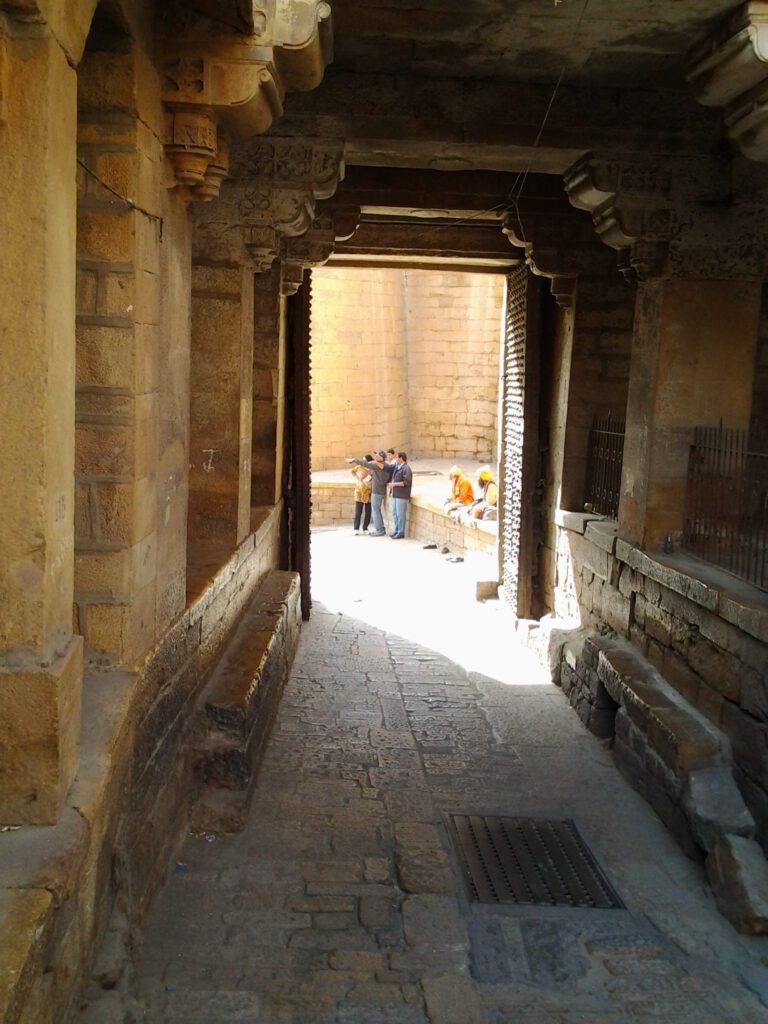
240	702
333	504
678	760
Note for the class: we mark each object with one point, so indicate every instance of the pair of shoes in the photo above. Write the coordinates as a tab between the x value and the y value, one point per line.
397	536
430	547
445	551
456	558
378	533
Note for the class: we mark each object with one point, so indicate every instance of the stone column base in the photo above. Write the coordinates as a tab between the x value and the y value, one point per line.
39	737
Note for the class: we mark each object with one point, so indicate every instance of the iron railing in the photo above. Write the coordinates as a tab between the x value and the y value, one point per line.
604	458
726	520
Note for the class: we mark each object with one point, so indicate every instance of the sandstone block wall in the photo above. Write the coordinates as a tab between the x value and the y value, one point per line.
454	329
359	363
706	639
407	359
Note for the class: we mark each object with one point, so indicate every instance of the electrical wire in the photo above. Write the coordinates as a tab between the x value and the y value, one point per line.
519	183
122	198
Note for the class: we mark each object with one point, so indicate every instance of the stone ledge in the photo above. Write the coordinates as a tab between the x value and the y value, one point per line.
735	601
26	917
241	699
602	533
574	521
677	760
738	603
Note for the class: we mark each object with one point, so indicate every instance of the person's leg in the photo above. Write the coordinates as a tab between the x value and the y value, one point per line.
397	525
377	501
358	513
366	516
403	516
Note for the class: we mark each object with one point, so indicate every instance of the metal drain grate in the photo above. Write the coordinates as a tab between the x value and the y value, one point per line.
529	860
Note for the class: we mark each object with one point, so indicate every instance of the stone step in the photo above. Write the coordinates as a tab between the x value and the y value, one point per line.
240	701
678	760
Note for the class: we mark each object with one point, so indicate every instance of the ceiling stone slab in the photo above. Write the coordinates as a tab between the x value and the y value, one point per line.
451	124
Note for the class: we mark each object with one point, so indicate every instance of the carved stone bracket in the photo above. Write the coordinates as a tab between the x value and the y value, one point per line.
271	196
671	218
220	83
558	243
312	249
729	69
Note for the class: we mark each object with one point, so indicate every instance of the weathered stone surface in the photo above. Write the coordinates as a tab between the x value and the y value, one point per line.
40	712
25	921
452	1000
738	873
715	807
422	863
45	858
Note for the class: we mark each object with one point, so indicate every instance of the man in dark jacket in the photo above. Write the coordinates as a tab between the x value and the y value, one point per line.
400	490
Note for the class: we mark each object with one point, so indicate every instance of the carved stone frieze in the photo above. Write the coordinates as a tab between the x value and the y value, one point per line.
557	241
225	69
674	224
729	69
270	196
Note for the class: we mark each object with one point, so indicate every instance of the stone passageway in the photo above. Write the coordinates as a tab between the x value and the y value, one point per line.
342	900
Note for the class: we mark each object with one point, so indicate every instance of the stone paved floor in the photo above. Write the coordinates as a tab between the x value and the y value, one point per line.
341	902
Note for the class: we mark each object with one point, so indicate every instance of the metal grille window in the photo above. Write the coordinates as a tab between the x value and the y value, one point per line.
604	460
726	521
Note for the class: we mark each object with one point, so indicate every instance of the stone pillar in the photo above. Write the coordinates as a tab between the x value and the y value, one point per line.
268	387
221	396
699	262
266	211
594	330
693	356
123	350
40	659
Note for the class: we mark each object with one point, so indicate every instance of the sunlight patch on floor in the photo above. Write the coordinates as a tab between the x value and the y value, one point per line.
418	594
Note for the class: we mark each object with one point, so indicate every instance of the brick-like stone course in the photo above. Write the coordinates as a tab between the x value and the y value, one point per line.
408	359
676	682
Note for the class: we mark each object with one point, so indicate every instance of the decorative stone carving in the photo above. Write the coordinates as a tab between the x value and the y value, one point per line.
680	219
228	66
271	195
730	69
556	241
312	249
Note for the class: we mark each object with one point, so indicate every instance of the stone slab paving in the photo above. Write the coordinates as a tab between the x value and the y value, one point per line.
342	901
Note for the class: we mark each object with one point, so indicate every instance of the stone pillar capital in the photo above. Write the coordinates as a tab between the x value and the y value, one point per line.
271	195
312	249
557	241
729	69
225	69
672	216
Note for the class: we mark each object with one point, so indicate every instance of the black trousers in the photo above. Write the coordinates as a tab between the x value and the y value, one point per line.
359	506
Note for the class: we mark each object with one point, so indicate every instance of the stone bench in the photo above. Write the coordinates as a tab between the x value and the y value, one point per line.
678	760
240	701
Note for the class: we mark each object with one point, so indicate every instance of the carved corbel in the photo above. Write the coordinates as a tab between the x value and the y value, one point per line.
729	69
695	228
630	208
228	66
556	240
312	249
271	195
